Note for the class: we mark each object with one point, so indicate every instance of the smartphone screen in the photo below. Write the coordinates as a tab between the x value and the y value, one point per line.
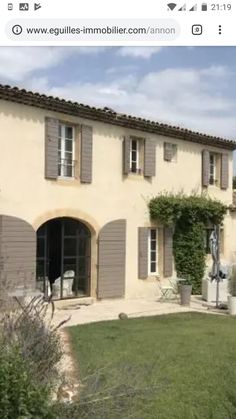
116	118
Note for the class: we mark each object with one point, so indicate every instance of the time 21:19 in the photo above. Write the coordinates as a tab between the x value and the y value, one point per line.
221	7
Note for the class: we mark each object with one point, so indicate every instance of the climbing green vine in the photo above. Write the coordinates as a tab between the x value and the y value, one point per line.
189	216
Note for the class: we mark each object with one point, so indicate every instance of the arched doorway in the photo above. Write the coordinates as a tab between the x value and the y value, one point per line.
64	258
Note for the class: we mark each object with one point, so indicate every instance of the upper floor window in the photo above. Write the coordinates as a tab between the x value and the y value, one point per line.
139	156
153	251
135	155
214	169
66	151
170	152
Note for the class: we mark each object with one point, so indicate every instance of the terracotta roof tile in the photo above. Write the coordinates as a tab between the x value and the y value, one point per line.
109	116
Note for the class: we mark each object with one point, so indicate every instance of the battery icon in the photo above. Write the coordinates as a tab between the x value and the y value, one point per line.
204	7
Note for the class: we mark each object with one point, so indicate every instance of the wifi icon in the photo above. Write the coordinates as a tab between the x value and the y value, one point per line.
171	6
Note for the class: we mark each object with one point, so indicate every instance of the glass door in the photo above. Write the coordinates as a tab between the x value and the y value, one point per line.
63	258
42	262
76	258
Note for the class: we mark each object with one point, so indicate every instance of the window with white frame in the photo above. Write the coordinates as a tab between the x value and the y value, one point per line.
66	151
153	251
134	155
212	169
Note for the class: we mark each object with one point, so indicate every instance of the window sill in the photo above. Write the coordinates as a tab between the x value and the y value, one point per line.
136	176
138	172
65	181
214	186
153	277
66	178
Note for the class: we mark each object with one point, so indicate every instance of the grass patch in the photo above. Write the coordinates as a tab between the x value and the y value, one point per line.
188	359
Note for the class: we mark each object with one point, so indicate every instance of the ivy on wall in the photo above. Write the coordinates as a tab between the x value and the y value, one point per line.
189	216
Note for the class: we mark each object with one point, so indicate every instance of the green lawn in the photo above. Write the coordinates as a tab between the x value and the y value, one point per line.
187	360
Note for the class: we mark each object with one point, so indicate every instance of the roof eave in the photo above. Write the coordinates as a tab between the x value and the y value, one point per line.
75	109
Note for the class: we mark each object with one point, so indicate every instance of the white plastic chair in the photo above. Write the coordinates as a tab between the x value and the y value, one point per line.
67	283
68	279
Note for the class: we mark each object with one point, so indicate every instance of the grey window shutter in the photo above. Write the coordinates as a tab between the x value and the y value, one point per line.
143	233
168	151
205	167
126	155
51	148
224	178
17	255
86	165
111	260
149	157
168	252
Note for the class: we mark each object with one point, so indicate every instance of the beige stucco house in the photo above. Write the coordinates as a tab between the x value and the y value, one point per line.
74	187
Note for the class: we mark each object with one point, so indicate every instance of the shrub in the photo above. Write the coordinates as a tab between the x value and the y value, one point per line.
30	352
21	397
189	253
188	215
37	340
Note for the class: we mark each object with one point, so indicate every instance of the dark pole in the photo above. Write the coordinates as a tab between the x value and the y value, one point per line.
217	230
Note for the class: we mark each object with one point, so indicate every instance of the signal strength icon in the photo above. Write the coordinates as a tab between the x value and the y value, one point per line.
183	8
194	8
171	6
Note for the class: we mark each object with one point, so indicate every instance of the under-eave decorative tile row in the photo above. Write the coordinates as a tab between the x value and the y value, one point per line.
107	115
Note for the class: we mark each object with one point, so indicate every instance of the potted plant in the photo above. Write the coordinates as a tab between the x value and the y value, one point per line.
232	289
185	292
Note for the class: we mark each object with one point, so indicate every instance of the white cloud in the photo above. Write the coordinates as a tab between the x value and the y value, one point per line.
187	90
37	84
216	71
193	98
138	52
17	63
122	69
184	97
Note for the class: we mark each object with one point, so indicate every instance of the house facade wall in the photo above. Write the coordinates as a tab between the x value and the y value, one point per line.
26	194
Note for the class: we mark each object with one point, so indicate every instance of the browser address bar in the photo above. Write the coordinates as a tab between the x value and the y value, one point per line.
93	30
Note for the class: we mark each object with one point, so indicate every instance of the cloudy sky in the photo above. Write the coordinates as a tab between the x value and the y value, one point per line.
189	87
